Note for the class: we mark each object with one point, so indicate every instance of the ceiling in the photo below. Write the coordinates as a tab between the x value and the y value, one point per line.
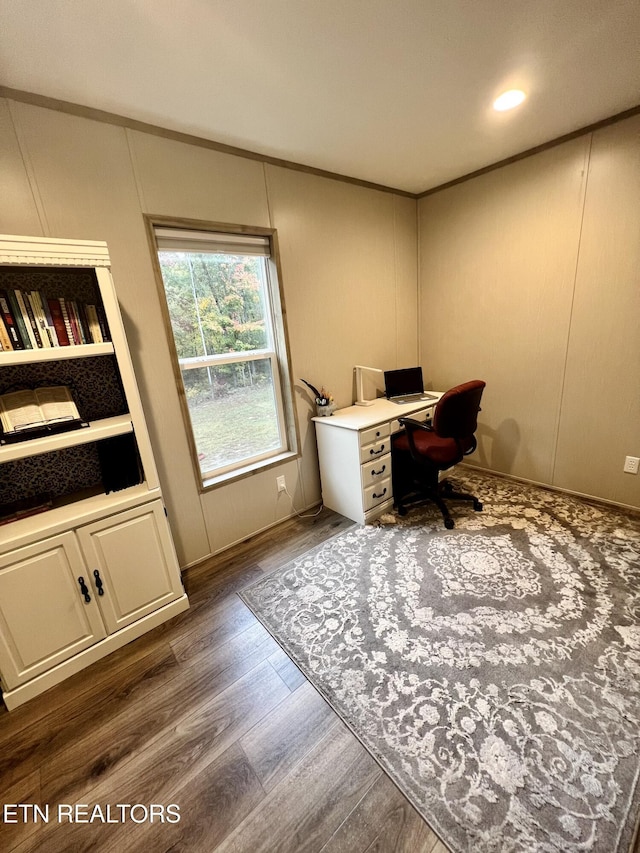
395	92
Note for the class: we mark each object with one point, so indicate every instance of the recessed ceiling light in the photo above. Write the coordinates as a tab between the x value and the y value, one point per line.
509	100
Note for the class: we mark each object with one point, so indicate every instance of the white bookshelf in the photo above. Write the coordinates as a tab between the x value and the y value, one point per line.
98	567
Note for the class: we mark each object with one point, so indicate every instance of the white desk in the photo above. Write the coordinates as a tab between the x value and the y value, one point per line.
354	450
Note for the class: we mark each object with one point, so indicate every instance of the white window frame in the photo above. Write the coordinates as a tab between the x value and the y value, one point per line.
189	238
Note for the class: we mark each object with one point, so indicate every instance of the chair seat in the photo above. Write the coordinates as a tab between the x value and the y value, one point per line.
435	448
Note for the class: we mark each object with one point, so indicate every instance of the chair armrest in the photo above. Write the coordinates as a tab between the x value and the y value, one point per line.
412	427
412	423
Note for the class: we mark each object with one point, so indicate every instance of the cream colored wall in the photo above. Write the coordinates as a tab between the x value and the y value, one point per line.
600	419
348	266
349	262
530	279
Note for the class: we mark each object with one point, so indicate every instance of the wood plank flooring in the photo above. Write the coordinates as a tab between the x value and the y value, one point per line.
206	712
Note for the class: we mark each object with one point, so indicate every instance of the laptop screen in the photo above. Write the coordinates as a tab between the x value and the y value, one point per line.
399	383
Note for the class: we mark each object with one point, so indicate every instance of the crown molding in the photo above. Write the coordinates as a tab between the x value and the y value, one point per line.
191	139
567	137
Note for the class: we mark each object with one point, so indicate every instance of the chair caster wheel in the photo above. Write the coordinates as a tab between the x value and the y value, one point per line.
477	505
449	523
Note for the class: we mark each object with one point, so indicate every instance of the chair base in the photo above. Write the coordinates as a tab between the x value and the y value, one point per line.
436	495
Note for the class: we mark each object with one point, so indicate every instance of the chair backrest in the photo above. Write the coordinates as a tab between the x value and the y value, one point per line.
456	414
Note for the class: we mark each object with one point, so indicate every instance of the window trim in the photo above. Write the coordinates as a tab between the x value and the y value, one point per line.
280	353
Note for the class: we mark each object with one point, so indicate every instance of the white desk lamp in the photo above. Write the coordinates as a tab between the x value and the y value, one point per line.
360	399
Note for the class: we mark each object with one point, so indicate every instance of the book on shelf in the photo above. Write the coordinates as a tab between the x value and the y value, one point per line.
5	340
94	325
67	322
81	308
39	410
76	325
6	315
24	507
19	320
119	463
29	318
55	309
41	319
102	320
51	329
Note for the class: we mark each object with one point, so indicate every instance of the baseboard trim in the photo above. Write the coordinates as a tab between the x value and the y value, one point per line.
252	535
592	498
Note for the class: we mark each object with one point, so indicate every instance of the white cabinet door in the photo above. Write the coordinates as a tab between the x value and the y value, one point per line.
44	617
132	554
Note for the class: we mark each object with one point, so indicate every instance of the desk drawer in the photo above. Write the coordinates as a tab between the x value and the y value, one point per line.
376	470
375	450
370	436
376	494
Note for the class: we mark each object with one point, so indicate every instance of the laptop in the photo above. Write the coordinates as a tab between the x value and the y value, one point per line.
405	386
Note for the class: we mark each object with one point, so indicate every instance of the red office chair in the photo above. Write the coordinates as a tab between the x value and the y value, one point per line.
422	450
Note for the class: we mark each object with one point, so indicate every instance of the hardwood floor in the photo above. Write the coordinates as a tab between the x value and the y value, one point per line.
208	713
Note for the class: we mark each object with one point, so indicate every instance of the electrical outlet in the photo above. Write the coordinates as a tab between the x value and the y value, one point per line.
631	464
280	484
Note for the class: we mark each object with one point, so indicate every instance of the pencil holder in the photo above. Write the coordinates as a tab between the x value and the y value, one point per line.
325	411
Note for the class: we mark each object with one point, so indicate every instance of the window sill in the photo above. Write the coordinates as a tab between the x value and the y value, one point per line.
247	471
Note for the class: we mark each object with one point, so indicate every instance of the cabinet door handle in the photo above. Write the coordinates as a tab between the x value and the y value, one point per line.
377	452
384	492
84	589
377	473
96	575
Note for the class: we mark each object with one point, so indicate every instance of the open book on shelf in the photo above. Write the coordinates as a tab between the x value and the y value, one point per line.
30	413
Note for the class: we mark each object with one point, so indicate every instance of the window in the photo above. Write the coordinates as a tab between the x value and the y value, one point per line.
223	302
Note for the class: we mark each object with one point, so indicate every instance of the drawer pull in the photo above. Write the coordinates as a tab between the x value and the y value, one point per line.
96	575
377	473
84	589
377	452
384	492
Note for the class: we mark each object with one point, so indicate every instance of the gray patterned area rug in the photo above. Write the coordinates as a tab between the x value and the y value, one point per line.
493	670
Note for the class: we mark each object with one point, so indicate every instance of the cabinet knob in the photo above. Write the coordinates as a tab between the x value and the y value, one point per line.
84	589
96	575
